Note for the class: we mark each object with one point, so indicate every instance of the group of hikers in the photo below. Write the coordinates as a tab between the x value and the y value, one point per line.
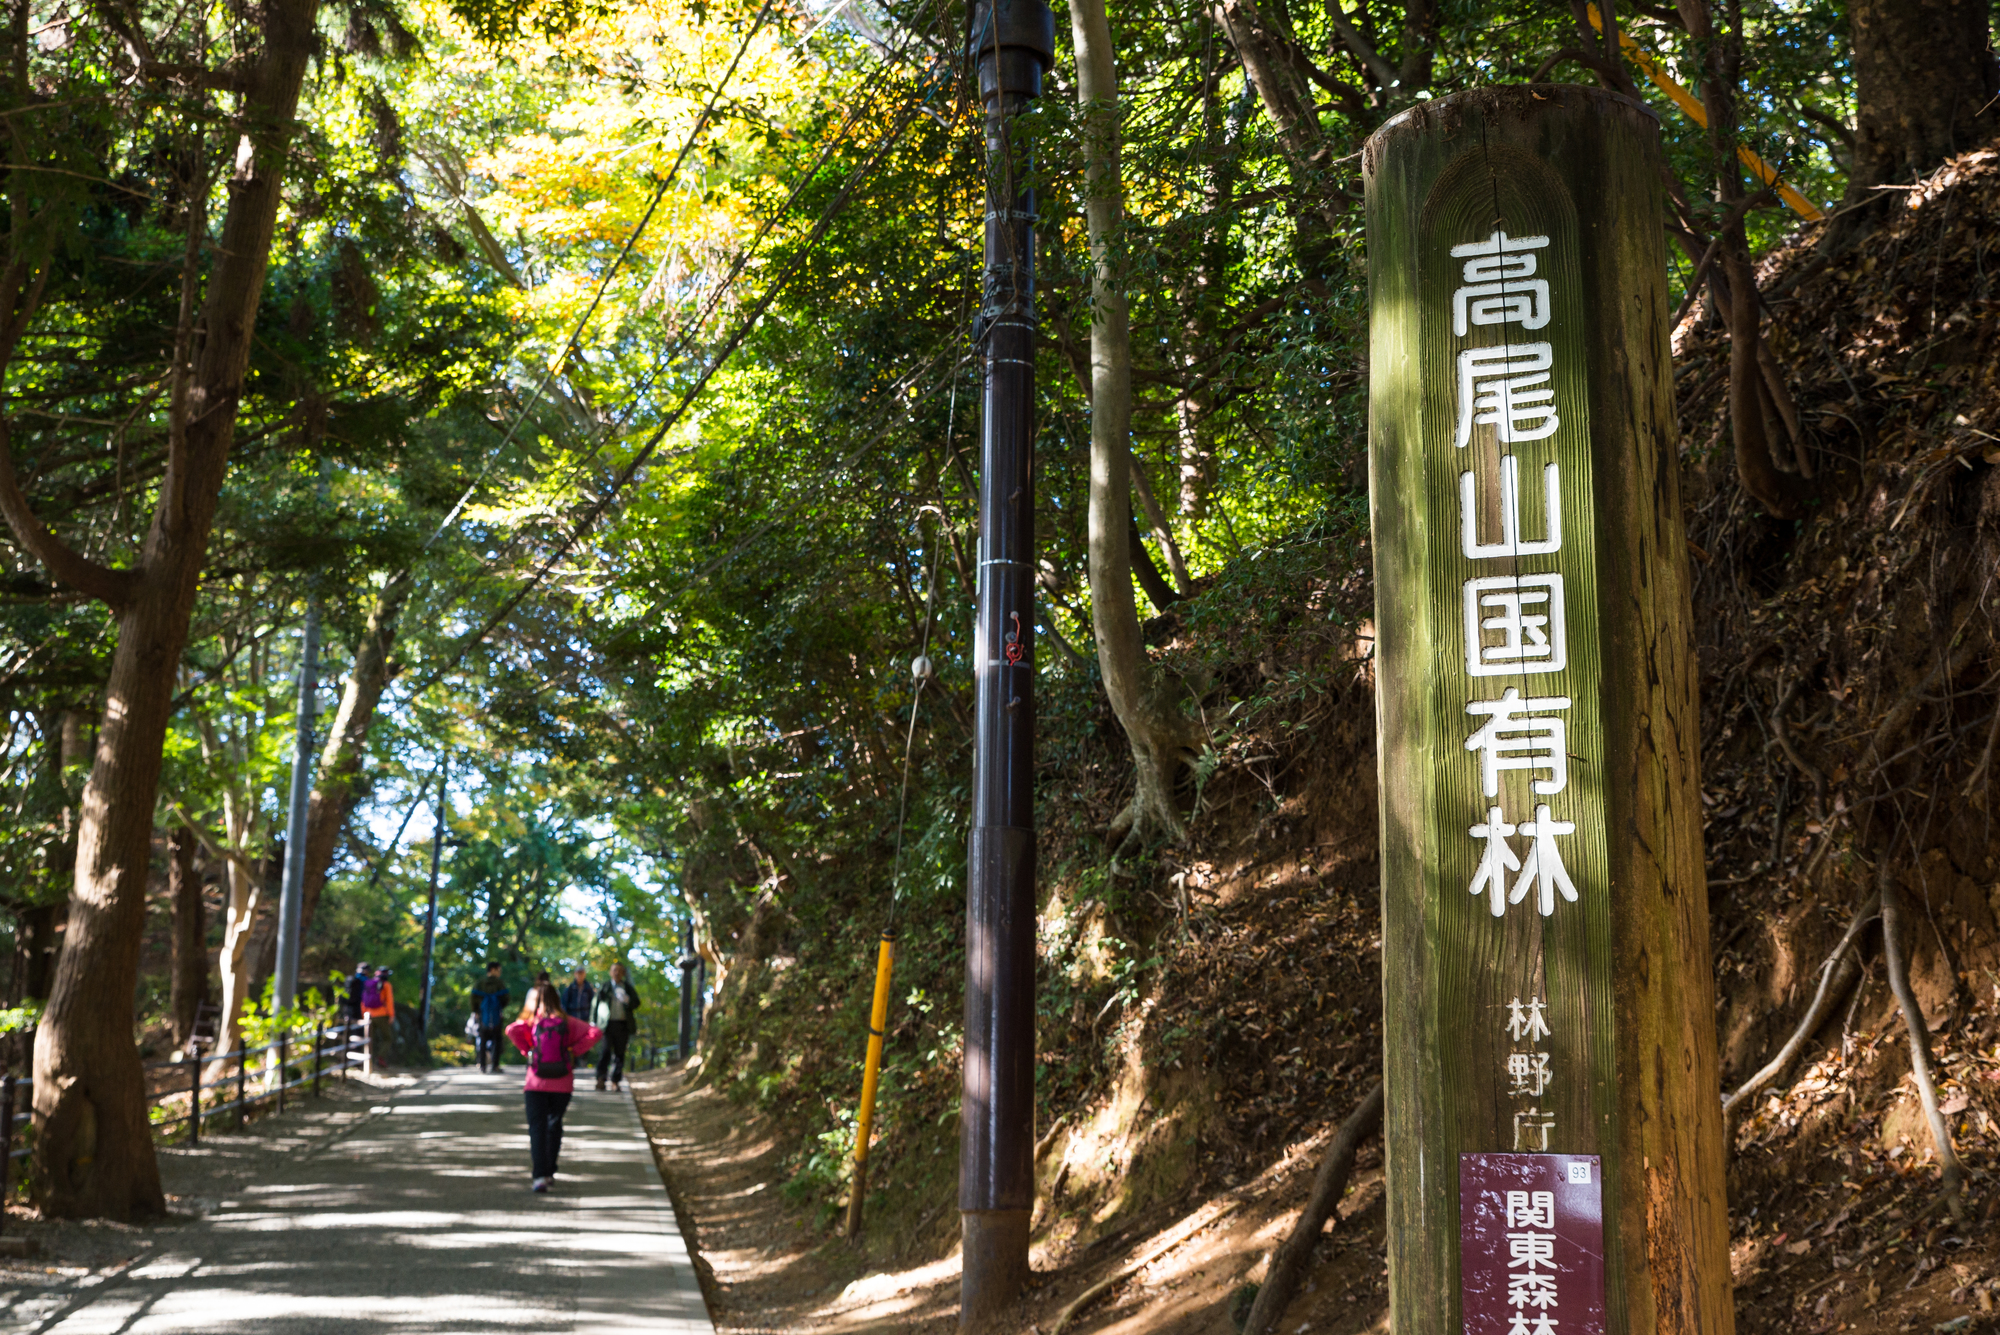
609	1007
553	1030
371	1000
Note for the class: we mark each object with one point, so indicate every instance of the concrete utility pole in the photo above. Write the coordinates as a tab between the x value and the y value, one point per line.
441	810
1555	1144
1014	41
291	895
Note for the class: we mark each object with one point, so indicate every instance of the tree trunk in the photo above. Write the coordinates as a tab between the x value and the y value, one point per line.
1156	734
38	941
1734	280
1151	580
190	959
38	928
1203	286
1924	84
94	1147
1163	532
239	958
347	744
1273	64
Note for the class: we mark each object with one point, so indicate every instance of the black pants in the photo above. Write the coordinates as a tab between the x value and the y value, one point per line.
617	1033
545	1113
489	1042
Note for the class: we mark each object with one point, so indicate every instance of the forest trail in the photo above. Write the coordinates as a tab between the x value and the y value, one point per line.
413	1215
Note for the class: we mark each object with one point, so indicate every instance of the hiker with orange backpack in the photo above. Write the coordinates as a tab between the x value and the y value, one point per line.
378	1009
551	1041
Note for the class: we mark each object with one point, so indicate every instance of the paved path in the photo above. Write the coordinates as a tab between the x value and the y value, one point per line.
415	1217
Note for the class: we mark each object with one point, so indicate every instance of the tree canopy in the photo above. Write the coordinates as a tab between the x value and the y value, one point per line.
605	377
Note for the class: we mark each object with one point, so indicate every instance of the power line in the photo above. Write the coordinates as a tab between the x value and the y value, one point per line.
632	239
891	393
715	363
754	314
691	329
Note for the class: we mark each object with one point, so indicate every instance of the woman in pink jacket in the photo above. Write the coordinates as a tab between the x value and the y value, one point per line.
551	1041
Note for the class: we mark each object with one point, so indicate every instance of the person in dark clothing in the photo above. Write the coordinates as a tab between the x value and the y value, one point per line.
617	1003
578	995
350	1005
489	1006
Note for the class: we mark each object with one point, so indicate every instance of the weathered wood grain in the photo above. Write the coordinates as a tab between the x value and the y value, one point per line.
1625	969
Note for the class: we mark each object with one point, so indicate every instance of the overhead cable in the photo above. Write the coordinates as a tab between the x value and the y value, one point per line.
570	344
716	361
692	328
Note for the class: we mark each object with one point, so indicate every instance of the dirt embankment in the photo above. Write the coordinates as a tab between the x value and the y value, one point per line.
1208	1017
767	1269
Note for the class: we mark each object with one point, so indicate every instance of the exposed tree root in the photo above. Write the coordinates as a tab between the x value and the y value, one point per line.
1783	736
1288	1264
1838	974
1152	815
1920	1045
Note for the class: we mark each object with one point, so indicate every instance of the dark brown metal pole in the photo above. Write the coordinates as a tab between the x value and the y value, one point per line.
431	913
688	962
1014	43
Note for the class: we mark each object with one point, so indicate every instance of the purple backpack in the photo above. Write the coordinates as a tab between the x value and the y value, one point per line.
552	1048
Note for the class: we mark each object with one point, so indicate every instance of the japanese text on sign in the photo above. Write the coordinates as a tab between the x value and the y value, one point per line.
1531	1244
1516	623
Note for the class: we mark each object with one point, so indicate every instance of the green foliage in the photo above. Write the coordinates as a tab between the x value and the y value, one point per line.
265	1022
23	1017
451	1050
500	22
700	713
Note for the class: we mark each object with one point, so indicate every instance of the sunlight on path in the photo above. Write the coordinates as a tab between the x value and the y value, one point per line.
419	1218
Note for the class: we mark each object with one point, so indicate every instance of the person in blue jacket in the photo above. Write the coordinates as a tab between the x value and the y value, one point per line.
489	1006
578	996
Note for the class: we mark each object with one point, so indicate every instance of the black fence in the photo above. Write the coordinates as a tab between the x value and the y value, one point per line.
323	1052
335	1051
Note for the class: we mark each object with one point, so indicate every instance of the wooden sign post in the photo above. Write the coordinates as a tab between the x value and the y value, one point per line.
1554	1132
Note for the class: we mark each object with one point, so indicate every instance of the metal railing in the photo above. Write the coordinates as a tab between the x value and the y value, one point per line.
333	1051
346	1043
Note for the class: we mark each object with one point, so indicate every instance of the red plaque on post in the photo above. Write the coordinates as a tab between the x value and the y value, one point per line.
1531	1244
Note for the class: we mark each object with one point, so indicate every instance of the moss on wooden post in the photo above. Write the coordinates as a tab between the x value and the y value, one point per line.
1545	938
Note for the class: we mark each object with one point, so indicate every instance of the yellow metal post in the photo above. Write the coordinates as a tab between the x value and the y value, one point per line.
1691	106
871	1074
